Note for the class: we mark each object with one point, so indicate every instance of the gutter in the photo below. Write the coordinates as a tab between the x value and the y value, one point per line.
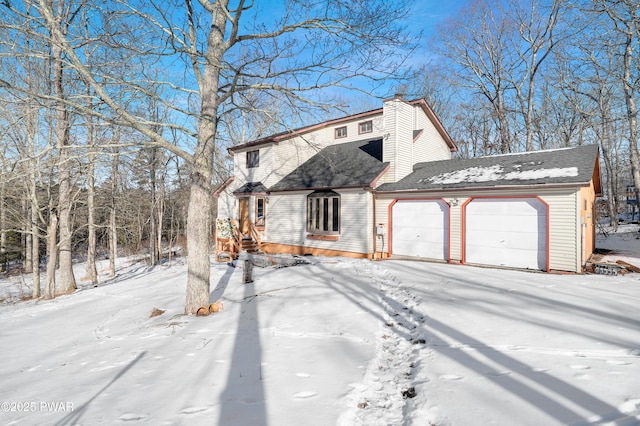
483	188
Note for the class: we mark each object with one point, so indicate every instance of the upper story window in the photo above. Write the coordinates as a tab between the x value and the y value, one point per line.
253	158
341	132
365	127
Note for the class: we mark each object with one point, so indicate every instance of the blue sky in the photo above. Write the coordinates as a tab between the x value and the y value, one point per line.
427	14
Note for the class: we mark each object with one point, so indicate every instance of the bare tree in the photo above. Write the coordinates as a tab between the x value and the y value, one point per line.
91	189
625	17
308	47
59	25
536	24
478	42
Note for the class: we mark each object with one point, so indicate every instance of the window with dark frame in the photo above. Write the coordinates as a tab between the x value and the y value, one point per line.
253	159
260	211
323	213
365	127
341	132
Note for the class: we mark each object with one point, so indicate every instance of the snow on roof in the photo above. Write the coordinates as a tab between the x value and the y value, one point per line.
527	152
574	166
497	173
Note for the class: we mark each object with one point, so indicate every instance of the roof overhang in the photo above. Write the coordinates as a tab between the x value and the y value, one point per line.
302	130
485	188
223	186
321	188
422	103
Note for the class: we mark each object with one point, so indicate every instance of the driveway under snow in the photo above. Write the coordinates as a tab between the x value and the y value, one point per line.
333	342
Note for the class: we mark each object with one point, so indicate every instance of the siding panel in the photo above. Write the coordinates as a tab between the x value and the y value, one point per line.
286	222
564	226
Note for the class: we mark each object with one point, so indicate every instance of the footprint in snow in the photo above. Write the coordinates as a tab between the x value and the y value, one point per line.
451	377
305	395
540	369
130	417
580	367
617	362
194	410
498	373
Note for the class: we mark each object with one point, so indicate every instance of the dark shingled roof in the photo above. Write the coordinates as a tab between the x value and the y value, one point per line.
557	166
251	188
351	164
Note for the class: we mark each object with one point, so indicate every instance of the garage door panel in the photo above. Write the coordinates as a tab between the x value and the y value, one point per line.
420	228
494	225
506	232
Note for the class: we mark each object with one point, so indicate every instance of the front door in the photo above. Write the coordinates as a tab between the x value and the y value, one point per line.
243	215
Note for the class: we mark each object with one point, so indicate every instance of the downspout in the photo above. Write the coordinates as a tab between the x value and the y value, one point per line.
373	226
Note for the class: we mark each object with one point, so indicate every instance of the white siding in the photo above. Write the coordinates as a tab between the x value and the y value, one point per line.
263	173
291	153
455	228
286	222
227	205
398	145
564	229
286	218
430	146
564	226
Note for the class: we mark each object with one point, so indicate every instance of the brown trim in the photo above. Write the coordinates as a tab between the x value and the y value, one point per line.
374	182
597	177
436	122
274	248
251	164
260	227
223	186
302	130
486	188
321	188
323	237
360	132
463	223
390	223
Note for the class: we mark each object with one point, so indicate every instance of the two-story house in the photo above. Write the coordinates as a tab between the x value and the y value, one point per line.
309	191
383	184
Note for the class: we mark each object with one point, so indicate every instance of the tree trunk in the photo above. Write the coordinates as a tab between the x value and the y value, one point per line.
113	230
34	208
52	253
3	225
160	215
35	256
67	282
154	258
612	205
25	238
632	111
91	189
199	214
198	243
528	119
91	242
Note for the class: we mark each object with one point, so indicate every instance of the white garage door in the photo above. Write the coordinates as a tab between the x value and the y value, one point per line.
420	228
508	232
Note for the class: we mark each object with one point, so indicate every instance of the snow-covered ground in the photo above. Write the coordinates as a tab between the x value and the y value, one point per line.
337	341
